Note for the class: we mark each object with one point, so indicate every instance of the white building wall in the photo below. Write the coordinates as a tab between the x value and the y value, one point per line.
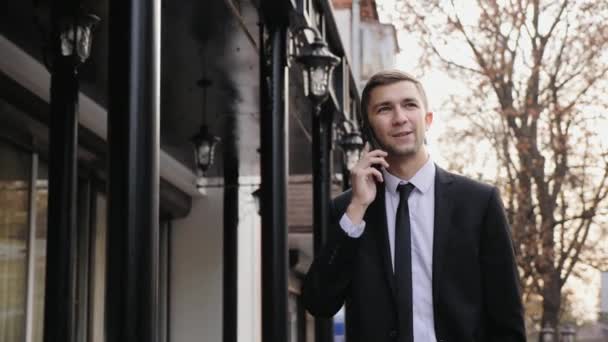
196	271
197	240
249	268
378	48
197	268
343	19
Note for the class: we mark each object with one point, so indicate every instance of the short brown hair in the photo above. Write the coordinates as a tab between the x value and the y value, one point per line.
387	77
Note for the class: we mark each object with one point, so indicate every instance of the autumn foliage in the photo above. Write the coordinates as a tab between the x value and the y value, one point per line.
536	74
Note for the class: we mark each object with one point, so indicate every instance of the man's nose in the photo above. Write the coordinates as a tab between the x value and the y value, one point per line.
400	116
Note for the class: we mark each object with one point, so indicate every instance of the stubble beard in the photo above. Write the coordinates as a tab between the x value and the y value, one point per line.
405	151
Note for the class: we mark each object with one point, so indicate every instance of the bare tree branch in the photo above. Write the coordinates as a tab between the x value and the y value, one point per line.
536	71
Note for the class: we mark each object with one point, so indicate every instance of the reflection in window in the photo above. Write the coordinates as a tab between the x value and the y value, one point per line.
39	254
14	191
339	332
98	272
293	317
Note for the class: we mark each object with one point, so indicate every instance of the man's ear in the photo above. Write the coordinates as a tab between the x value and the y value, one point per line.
428	119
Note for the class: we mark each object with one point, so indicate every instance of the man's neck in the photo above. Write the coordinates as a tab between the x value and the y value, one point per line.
405	167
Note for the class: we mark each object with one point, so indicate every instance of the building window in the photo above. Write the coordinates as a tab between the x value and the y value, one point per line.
23	255
164	284
38	254
97	282
339	327
23	239
14	233
293	317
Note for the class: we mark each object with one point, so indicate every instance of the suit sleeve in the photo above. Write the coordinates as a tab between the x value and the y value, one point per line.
328	279
501	293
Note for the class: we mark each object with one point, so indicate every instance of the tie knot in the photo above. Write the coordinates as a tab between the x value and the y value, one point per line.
405	189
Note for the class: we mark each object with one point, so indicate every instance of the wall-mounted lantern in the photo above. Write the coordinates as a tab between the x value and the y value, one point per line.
351	143
65	35
76	37
204	142
317	63
204	150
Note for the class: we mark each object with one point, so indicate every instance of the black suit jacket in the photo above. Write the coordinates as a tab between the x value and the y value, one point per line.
476	293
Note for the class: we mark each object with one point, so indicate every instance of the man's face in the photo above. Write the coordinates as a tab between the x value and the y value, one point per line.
398	118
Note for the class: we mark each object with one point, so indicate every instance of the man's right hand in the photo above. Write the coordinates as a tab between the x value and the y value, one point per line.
363	179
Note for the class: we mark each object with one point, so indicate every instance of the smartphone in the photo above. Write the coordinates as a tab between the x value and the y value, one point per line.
369	137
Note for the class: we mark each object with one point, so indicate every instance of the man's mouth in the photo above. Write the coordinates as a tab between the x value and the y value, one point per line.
401	134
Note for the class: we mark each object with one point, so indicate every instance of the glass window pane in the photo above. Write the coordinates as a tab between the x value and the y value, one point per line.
339	331
14	192
292	304
40	251
98	275
163	274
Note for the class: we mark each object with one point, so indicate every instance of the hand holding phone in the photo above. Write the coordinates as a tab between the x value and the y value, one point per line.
363	179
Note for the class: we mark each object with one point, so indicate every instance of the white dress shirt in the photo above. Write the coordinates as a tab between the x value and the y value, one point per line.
421	208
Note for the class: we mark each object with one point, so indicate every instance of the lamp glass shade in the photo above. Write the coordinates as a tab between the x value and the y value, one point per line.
319	80
204	150
318	63
351	158
352	145
79	35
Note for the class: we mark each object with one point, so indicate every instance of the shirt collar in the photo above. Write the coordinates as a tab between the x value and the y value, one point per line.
422	180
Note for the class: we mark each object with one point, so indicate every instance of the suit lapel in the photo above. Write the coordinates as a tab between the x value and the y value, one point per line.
378	214
442	223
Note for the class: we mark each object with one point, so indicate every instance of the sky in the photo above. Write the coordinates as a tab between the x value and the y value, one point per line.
439	87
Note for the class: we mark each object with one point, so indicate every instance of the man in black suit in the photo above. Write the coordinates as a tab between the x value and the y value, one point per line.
418	254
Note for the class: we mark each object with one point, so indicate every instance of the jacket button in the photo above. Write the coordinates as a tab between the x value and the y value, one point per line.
392	334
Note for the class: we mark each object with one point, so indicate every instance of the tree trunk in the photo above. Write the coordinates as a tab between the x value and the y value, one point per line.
551	301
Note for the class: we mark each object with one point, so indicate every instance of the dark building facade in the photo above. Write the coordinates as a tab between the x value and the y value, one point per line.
108	231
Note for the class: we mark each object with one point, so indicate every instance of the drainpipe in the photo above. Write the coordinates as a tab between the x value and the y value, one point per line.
355	44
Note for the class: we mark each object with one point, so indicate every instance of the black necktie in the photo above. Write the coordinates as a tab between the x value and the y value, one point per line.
403	265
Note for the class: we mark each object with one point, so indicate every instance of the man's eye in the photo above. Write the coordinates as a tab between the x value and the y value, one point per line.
383	109
411	105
